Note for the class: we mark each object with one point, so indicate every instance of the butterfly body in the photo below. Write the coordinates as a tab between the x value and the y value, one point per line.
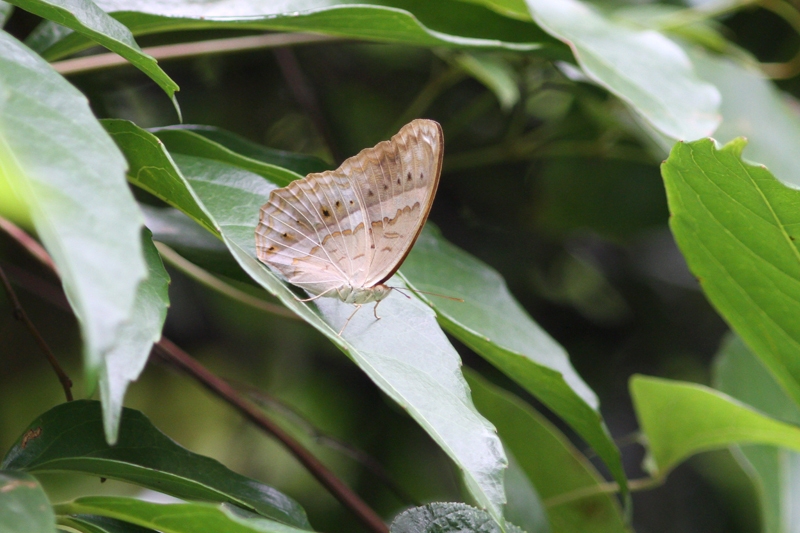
343	233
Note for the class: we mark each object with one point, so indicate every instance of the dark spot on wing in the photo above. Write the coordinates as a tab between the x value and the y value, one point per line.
325	212
398	181
370	193
351	202
409	177
338	203
421	176
271	248
372	246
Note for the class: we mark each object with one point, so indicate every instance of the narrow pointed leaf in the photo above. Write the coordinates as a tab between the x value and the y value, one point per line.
529	437
70	438
175	518
90	21
414	22
682	419
126	360
71	178
202	140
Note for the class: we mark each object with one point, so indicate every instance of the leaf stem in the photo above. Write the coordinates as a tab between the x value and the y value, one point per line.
634	485
174	355
182	50
36	249
20	314
213	282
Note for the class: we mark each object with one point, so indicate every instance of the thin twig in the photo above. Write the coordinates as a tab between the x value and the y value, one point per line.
370	463
172	354
602	488
29	243
22	316
182	50
304	93
209	280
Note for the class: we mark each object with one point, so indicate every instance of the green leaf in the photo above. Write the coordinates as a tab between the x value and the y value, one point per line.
739	373
152	169
566	480
736	227
101	524
405	353
642	67
492	322
446	517
24	507
495	73
127	359
90	21
70	438
681	419
179	141
71	178
754	108
176	518
414	22
184	140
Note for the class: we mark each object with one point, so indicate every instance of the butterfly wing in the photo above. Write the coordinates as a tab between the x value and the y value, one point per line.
356	224
396	182
312	232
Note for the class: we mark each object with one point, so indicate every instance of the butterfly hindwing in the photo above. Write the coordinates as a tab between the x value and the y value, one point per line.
354	225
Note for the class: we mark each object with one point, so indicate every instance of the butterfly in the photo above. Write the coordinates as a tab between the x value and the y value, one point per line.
342	233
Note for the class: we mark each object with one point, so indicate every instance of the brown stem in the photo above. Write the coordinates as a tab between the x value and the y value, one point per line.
29	243
171	353
22	316
304	94
364	459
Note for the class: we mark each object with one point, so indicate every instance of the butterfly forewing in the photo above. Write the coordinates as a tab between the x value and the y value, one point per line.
397	180
354	225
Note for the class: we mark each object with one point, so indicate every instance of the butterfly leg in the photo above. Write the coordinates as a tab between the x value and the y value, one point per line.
358	306
375	309
320	295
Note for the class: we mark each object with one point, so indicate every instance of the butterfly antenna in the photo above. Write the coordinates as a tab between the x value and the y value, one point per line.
424	292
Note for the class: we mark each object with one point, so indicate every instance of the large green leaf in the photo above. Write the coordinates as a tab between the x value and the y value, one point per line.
24	507
642	67
216	143
739	373
566	477
71	178
754	108
127	359
494	324
681	419
70	438
415	22
736	226
101	524
405	353
176	518
90	21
